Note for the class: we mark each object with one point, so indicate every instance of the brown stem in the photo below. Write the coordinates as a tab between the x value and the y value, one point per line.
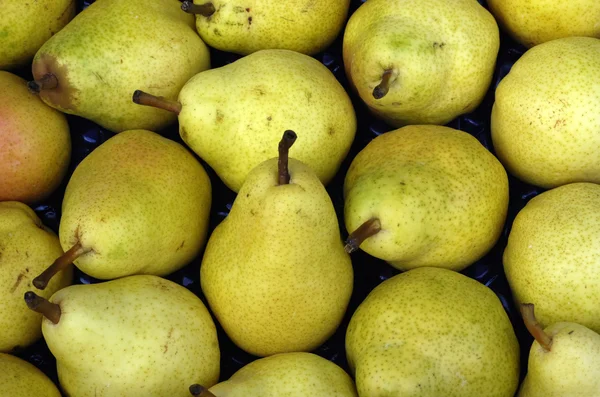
43	306
61	263
364	231
206	9
288	139
47	82
382	89
200	391
143	98
534	328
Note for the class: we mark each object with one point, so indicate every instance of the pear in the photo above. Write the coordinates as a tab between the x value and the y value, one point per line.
26	245
138	204
425	196
21	379
546	130
24	27
138	335
552	256
275	272
90	68
244	27
274	90
432	332
533	22
35	144
287	374
564	360
420	61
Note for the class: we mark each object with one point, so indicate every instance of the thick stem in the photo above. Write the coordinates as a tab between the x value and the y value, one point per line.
200	391
364	231
143	98
382	89
47	82
43	306
61	263
206	9
534	328
288	139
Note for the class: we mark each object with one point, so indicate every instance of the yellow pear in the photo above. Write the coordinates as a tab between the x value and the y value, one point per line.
18	378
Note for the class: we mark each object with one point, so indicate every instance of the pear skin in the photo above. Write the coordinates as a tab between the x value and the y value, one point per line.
22	379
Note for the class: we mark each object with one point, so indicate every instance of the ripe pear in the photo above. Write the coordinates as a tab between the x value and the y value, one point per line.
138	335
35	144
420	61
26	247
275	272
244	27
138	204
532	22
22	379
432	332
25	26
564	360
552	257
546	129
274	90
91	67
425	195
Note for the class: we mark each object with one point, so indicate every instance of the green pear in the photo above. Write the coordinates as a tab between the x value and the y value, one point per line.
552	257
420	61
275	272
244	27
25	26
136	336
425	196
287	374
532	22
274	90
26	246
432	332
21	379
564	360
138	204
546	130
35	144
91	67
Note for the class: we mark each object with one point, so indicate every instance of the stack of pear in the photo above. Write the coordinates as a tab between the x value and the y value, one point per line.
21	379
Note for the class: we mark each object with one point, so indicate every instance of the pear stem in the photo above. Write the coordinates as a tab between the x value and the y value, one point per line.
61	263
364	231
47	82
43	306
288	139
206	9
200	391
143	98
534	328
382	89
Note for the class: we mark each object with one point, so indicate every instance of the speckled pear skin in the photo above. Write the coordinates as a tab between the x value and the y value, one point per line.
115	47
432	332
246	26
26	249
275	272
442	54
570	369
545	123
532	22
35	144
24	27
441	197
552	258
274	90
140	202
22	379
288	375
138	335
